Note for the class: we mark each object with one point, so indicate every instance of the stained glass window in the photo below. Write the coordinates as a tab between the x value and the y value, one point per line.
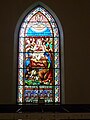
39	58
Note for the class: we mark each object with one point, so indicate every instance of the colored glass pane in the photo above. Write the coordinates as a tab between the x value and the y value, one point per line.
39	58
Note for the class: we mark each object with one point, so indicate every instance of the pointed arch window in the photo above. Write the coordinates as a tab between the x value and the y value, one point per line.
39	70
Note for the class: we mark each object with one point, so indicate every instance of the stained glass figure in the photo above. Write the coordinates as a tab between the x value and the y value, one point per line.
39	58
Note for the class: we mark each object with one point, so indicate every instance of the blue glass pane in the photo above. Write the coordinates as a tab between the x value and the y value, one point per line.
46	32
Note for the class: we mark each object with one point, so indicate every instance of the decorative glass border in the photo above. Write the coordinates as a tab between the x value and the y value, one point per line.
56	50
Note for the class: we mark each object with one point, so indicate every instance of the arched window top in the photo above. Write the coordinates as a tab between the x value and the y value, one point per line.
40	69
40	22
